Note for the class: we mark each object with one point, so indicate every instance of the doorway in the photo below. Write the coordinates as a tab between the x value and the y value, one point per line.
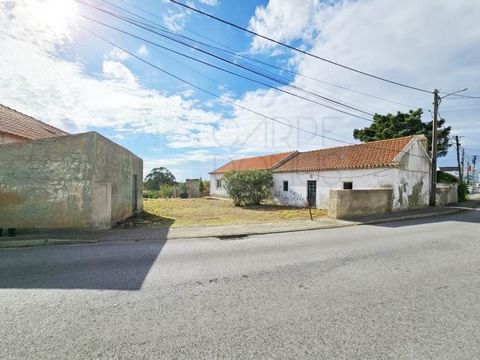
312	193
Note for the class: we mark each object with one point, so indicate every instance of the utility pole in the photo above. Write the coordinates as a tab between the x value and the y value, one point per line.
463	162
460	170
474	169
433	182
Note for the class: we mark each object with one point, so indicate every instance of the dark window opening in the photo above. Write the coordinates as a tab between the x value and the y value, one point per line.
285	186
219	184
348	185
135	193
312	193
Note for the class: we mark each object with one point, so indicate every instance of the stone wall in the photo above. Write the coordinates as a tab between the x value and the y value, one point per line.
75	181
348	203
446	194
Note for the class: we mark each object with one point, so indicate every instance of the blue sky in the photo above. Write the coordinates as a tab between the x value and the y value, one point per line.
55	70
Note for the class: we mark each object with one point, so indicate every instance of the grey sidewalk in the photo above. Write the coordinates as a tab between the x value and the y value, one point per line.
230	231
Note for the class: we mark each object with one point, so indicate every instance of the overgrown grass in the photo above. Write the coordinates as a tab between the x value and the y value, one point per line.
210	212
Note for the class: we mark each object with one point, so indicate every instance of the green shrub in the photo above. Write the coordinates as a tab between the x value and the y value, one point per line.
462	191
248	187
166	191
446	178
152	194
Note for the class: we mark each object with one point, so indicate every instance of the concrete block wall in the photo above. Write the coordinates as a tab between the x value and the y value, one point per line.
114	172
74	181
348	203
446	194
46	183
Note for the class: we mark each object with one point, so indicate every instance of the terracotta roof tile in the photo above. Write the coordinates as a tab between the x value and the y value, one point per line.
368	155
255	163
15	123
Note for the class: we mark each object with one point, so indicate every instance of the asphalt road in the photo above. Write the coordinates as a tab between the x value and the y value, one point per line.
406	290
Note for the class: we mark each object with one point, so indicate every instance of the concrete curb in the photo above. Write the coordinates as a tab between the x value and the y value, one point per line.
7	244
266	232
413	217
335	226
344	223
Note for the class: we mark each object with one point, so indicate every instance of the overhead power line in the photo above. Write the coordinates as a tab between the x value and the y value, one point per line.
300	50
246	77
236	104
271	77
226	49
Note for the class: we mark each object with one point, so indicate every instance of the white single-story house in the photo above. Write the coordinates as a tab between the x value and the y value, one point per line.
307	178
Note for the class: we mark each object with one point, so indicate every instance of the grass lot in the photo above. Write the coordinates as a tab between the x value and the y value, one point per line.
209	212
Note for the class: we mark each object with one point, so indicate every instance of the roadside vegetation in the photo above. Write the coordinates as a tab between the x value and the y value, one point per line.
183	204
248	187
212	212
161	183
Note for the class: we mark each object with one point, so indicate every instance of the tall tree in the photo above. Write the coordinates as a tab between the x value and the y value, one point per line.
404	124
158	177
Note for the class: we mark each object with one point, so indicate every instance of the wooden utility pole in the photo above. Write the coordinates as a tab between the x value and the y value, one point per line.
460	170
433	182
474	169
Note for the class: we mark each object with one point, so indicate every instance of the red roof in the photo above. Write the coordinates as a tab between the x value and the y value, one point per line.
374	154
266	162
15	123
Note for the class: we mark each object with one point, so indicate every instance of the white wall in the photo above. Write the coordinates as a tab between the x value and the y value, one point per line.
326	180
214	191
410	181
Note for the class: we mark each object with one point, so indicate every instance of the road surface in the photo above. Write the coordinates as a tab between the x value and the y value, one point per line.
405	290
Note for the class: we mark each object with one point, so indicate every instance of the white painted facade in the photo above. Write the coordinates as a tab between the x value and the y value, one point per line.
410	181
215	190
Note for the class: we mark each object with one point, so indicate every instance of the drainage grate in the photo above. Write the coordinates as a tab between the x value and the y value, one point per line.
232	237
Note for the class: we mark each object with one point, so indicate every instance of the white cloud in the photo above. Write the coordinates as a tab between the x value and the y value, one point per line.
283	20
198	161
116	54
209	2
423	43
175	20
143	50
117	71
36	81
188	93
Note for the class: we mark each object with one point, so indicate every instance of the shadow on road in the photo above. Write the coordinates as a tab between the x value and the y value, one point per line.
104	266
468	216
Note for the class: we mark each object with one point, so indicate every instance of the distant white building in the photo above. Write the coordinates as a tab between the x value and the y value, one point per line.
452	170
302	178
